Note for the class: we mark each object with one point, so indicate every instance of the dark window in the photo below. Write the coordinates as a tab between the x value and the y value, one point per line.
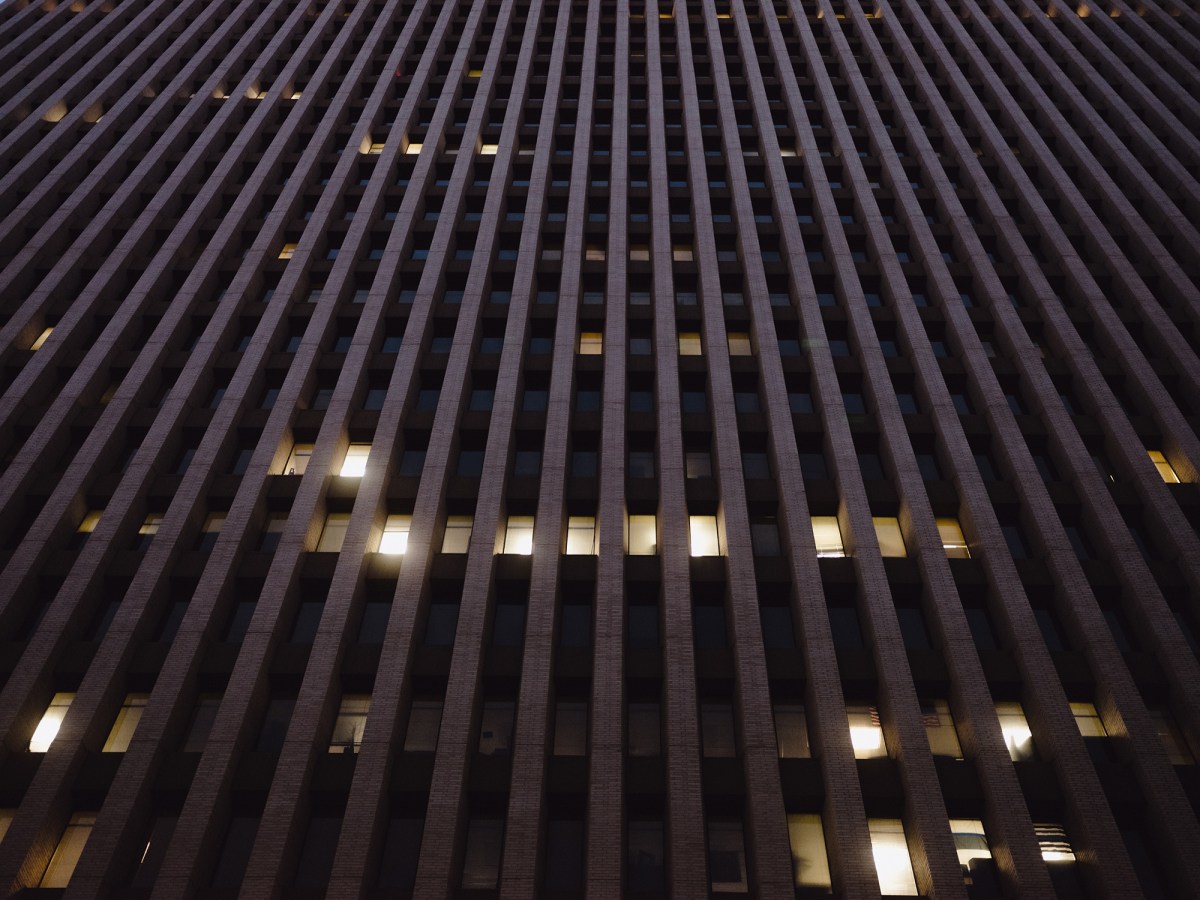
843	622
508	625
441	624
777	627
709	622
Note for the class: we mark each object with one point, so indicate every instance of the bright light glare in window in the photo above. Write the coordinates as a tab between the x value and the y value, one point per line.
355	463
52	719
395	535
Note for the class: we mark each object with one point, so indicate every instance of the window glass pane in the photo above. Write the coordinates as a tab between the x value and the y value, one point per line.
70	847
401	851
205	715
644	730
350	722
727	858
866	735
355	463
791	731
481	860
689	344
51	721
828	536
642	536
892	862
564	855
810	863
970	842
1088	720
705	539
1017	736
508	625
581	535
717	730
424	723
334	533
939	728
495	728
575	629
441	625
645	856
518	536
953	541
458	534
570	729
126	724
887	532
395	535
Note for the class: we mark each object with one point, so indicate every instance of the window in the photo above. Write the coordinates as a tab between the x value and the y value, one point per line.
1017	736
970	842
272	531
424	723
717	730
1087	719
739	344
570	729
334	533
892	862
148	529
288	251
203	719
1052	838
705	536
645	729
791	731
1165	471
887	532
41	339
953	541
591	343
276	720
699	464
355	463
413	149
70	848
645	856
395	535
52	719
1178	751
939	729
689	344
828	536
581	535
441	625
126	724
518	535
481	858
458	534
727	858
350	722
210	531
90	521
810	862
866	735
495	728
641	535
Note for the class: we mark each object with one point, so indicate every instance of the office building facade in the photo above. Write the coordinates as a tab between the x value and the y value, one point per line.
561	448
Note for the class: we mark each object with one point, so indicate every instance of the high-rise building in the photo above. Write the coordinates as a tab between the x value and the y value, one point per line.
607	448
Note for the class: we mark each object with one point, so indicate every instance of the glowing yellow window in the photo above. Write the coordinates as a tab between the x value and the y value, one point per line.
41	339
641	535
689	343
458	534
810	862
52	719
1017	736
475	73
893	865
70	848
350	723
866	734
150	525
489	149
581	535
297	462
1087	720
681	253
594	253
288	251
639	253
705	536
739	344
355	463
518	535
395	535
90	521
828	536
413	148
1052	838
887	532
127	722
375	147
953	541
1165	471
591	343
970	842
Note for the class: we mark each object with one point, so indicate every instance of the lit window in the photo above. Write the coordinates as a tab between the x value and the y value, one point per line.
681	253
395	535
90	521
149	527
892	862
828	536
887	532
594	253
518	535
689	344
641	535
739	344
6	817
953	541
127	723
458	534
581	535
41	339
970	842
334	533
355	463
47	729
489	149
1165	471
297	462
591	343
375	148
288	251
866	734
349	724
475	73
70	848
705	536
791	731
1087	719
939	728
413	149
810	862
1017	736
639	253
1052	838
727	858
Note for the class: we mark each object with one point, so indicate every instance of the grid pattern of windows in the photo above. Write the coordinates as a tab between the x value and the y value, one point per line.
537	446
